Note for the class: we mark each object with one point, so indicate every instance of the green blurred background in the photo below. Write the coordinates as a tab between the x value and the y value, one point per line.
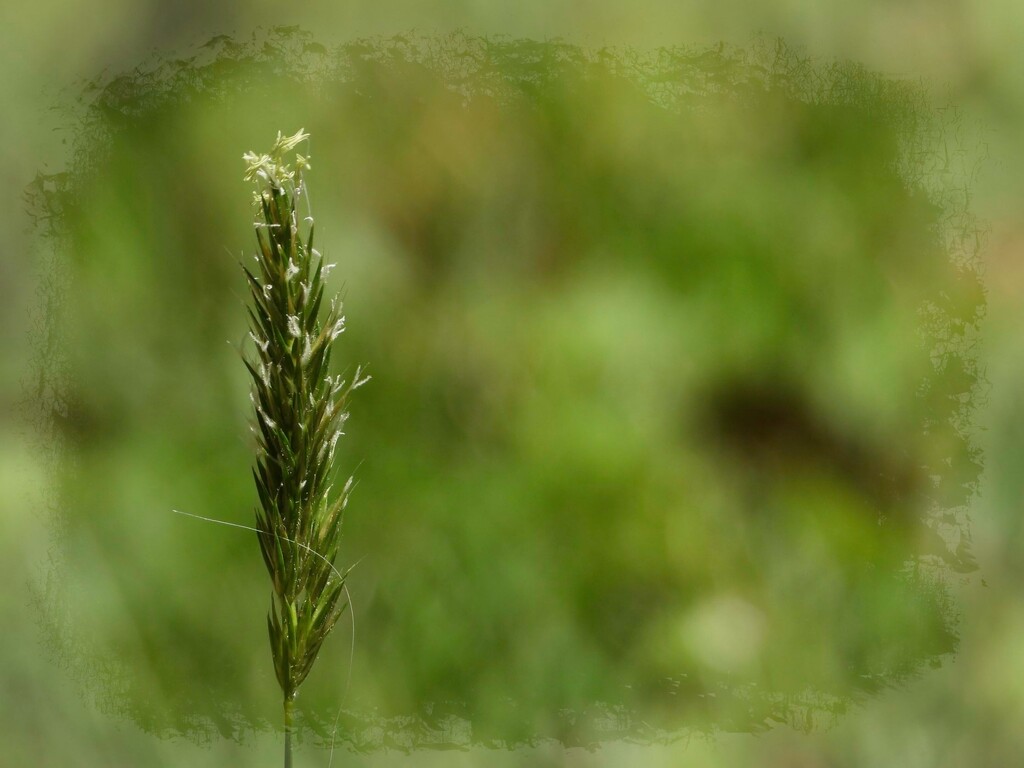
656	413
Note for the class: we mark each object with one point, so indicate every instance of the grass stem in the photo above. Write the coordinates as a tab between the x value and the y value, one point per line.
300	412
289	706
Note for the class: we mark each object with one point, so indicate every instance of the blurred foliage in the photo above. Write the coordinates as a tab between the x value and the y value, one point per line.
669	426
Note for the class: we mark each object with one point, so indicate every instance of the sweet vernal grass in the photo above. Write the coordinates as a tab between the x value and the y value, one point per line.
300	414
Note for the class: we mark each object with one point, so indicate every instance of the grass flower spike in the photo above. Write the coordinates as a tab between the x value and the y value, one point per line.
300	413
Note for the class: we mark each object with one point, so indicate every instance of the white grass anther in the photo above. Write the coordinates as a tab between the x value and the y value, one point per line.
267	420
356	381
262	344
334	441
307	349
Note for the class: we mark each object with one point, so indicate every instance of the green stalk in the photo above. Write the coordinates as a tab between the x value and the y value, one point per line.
289	705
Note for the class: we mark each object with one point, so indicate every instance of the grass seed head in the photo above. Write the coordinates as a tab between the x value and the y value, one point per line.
299	412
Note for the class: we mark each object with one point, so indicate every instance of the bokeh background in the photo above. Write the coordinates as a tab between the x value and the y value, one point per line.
667	396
